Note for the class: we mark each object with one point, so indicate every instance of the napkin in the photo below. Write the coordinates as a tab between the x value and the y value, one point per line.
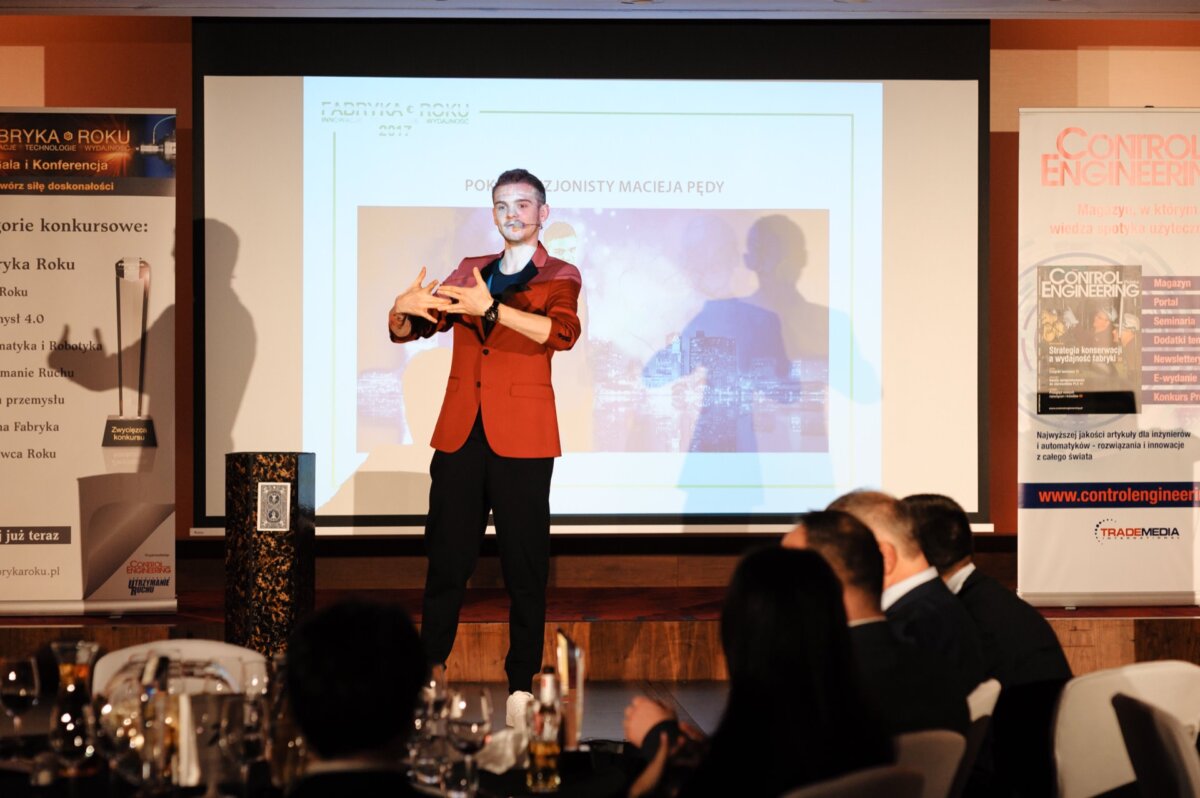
505	750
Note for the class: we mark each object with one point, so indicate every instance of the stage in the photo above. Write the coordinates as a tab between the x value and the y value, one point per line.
659	634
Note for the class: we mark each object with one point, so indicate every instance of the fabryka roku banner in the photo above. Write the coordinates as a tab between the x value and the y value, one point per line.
87	373
1109	361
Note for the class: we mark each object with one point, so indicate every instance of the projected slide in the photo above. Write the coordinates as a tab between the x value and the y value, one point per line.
728	235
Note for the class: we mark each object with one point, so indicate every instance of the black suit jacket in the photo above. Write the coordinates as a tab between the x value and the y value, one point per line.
933	618
909	688
1019	646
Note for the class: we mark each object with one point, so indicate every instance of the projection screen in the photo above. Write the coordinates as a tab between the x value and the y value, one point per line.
780	284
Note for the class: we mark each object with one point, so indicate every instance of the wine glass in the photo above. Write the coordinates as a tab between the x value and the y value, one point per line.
469	727
18	688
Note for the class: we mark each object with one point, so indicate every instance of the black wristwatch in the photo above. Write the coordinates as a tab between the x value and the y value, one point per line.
492	314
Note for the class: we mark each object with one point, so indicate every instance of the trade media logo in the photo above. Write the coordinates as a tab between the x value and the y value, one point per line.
1107	531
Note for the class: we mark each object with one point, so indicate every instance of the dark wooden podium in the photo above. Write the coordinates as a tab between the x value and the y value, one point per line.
270	568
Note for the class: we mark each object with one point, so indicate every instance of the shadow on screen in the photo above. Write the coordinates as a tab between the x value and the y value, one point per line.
224	308
396	474
749	374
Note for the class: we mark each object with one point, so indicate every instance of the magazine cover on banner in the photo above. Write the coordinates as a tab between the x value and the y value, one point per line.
1109	356
87	341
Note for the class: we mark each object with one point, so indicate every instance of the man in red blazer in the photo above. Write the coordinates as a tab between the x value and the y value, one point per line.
497	435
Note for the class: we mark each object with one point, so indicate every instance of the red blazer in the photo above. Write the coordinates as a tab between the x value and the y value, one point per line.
506	375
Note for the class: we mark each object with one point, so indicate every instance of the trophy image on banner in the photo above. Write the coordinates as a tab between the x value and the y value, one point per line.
131	426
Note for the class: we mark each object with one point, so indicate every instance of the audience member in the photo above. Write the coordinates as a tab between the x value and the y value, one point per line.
354	672
1019	647
918	605
795	714
910	688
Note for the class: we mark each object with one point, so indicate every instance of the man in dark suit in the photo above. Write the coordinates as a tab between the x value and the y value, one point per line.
916	602
497	435
353	674
909	687
1020	648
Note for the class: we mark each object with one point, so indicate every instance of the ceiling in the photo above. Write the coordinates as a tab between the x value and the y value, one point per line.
627	9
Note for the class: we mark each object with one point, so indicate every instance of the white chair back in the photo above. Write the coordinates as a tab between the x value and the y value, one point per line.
982	700
227	655
936	753
1089	751
887	781
1163	755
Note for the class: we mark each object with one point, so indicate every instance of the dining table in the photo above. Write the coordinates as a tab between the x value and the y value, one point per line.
29	769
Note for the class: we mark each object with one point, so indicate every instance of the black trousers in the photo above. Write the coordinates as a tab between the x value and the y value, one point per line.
467	484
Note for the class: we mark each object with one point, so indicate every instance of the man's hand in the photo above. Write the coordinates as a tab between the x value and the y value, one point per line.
419	299
649	778
642	715
473	300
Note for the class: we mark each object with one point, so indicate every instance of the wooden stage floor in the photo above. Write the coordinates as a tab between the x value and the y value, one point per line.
630	634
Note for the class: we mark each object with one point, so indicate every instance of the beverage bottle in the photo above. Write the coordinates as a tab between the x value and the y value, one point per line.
544	722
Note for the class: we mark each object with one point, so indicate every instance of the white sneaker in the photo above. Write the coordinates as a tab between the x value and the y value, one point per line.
514	709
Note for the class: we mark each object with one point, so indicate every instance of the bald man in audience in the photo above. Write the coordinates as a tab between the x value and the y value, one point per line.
916	602
910	688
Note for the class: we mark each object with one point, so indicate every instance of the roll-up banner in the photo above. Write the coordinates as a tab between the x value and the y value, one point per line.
87	344
1109	356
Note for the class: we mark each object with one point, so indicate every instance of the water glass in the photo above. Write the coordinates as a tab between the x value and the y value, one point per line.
244	730
428	756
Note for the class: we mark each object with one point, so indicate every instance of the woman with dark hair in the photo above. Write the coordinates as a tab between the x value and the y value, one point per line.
794	715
